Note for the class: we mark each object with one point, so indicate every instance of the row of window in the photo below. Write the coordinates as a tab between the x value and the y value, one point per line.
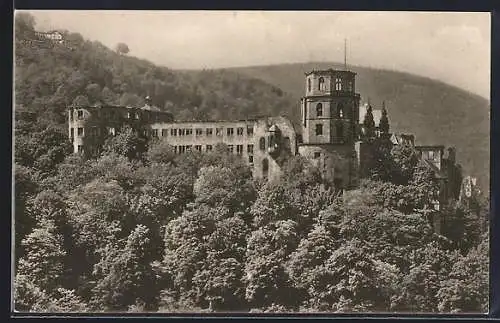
200	132
319	110
112	114
322	84
239	148
339	130
93	131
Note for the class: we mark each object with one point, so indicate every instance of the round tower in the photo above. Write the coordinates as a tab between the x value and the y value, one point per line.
330	118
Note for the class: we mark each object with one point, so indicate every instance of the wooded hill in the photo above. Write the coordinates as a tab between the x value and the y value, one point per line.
437	113
50	77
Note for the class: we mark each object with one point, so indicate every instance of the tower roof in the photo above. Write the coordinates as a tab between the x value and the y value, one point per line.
329	71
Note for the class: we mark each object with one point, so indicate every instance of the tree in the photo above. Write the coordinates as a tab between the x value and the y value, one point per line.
204	250
122	49
466	287
25	189
369	123
125	276
348	281
217	186
43	261
384	122
419	287
131	100
160	151
93	91
128	143
267	282
405	160
24	24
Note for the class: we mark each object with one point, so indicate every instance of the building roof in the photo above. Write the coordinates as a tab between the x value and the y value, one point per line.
377	114
430	147
150	108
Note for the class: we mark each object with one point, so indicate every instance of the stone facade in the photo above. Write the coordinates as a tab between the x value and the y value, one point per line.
336	132
330	123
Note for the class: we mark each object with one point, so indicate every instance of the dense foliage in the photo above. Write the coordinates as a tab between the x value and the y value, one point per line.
194	232
149	230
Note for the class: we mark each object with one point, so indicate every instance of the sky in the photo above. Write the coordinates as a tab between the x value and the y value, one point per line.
451	47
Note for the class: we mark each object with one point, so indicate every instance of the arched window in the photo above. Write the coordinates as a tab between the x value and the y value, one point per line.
321	84
319	129
262	143
338	84
340	111
319	109
265	167
309	85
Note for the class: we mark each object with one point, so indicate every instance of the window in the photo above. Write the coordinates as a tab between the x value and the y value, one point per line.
80	148
286	142
340	111
431	154
349	86
189	147
230	148
80	114
340	130
239	131
164	132
154	132
111	131
189	132
250	131
218	131
176	150
209	131
129	115
80	132
230	131
197	147
199	132
265	167
309	85
136	116
239	149
321	84
250	149
173	132
250	159
182	132
319	129
70	115
71	132
317	155
262	143
209	148
94	131
338	84
319	109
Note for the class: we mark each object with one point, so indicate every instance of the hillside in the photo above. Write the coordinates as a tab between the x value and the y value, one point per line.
435	112
50	77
